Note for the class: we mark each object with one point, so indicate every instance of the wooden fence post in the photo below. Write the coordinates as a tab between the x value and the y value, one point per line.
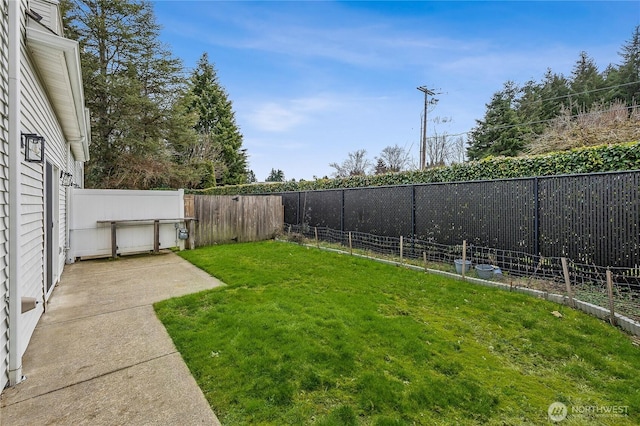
191	229
612	318
317	242
567	281
464	257
350	245
424	256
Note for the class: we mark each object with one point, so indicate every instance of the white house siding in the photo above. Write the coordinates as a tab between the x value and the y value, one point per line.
48	11
4	195
38	117
77	169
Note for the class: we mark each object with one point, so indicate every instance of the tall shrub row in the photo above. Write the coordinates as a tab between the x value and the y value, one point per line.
604	158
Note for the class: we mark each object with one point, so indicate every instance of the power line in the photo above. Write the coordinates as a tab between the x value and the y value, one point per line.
549	120
555	118
585	92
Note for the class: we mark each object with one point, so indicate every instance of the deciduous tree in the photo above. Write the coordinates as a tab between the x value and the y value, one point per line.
356	164
394	158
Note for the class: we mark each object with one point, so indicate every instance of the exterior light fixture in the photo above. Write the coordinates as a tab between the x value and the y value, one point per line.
33	147
66	178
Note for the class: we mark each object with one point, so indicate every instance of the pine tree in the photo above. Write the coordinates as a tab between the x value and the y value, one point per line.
219	139
501	131
628	73
129	80
381	167
585	82
541	102
275	176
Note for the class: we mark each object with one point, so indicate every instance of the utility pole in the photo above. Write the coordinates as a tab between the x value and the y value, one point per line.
423	143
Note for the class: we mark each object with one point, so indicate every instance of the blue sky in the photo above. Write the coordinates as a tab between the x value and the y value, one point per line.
311	81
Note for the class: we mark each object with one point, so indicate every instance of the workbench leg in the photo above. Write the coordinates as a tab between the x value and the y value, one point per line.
156	236
114	246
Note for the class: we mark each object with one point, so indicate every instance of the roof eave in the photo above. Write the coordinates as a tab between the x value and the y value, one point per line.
44	46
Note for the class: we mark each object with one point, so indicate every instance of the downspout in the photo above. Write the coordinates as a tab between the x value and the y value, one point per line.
69	258
15	221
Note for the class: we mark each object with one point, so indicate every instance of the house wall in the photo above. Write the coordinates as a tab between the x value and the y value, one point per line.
23	187
4	194
38	117
49	12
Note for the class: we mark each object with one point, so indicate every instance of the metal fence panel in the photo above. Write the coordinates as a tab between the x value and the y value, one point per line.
593	219
290	202
321	208
497	214
384	211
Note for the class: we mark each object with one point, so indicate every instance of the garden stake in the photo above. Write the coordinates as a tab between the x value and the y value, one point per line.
317	242
567	281
464	257
424	256
612	318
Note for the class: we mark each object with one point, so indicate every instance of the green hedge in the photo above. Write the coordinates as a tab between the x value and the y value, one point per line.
604	158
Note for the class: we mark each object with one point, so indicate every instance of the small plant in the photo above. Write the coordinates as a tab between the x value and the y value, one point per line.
296	237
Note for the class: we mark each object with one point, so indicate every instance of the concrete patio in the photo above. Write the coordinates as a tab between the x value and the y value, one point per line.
99	355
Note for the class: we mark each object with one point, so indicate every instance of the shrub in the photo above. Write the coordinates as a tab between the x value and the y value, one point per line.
603	158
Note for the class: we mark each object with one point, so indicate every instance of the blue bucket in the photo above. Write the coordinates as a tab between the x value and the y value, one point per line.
485	271
458	263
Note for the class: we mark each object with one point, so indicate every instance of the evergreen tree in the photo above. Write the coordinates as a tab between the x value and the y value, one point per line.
275	176
381	167
541	102
219	141
628	73
585	82
501	131
129	81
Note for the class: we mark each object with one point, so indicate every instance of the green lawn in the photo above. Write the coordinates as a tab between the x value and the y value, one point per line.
303	336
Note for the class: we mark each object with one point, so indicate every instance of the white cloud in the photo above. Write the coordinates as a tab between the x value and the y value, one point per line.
271	117
285	115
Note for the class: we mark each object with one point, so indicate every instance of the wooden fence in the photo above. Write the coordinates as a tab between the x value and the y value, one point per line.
221	218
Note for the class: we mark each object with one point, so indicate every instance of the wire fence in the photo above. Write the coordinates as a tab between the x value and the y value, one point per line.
616	289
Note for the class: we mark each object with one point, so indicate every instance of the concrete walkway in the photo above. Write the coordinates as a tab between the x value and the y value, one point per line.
100	356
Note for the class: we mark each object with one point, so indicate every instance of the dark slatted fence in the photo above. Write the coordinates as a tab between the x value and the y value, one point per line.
594	219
